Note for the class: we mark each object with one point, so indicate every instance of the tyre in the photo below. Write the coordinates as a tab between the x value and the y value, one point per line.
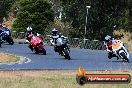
44	51
0	43
67	56
124	56
55	49
36	50
10	41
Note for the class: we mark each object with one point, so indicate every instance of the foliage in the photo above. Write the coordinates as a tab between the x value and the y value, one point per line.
102	16
64	27
35	13
5	6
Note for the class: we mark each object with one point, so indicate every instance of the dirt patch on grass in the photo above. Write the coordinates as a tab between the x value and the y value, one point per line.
52	79
6	58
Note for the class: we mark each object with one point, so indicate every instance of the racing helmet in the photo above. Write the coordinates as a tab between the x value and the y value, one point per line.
54	31
4	25
108	38
29	28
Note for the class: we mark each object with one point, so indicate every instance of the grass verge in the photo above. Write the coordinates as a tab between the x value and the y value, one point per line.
6	58
52	79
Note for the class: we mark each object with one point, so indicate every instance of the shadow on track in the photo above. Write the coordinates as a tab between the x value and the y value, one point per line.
121	61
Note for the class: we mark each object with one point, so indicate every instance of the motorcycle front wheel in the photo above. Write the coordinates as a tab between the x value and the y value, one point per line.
67	56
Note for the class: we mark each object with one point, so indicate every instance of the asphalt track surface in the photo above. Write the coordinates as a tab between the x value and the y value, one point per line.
88	59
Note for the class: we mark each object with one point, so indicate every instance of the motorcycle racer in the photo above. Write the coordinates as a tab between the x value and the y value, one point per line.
109	41
54	37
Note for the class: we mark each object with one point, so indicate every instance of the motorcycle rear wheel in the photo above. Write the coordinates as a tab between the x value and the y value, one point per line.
124	57
36	52
10	41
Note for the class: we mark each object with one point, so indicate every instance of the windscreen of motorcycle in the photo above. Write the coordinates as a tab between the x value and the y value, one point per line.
59	42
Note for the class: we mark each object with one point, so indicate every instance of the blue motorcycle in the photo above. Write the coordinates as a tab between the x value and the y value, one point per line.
5	36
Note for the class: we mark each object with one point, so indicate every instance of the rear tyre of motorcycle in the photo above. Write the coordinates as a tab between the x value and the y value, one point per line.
124	56
0	43
67	56
10	41
44	51
36	50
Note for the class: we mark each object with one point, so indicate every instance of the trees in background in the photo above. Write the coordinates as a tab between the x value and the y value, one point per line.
5	6
102	16
35	13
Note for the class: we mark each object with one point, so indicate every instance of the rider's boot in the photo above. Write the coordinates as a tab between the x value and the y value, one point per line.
117	58
109	55
30	46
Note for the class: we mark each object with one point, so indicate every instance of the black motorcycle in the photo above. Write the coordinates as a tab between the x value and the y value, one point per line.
62	48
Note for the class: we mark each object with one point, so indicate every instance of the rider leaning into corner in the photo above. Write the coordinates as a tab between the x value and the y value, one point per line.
5	29
29	34
109	41
55	36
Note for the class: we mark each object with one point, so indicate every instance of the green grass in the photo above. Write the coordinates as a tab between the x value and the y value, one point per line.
47	79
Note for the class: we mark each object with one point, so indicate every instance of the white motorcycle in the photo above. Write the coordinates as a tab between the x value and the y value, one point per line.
120	51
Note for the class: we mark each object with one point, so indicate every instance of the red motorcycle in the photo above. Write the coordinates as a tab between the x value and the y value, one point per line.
36	44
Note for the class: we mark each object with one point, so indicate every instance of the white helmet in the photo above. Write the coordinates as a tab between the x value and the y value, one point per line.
38	34
54	31
107	38
29	28
4	25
